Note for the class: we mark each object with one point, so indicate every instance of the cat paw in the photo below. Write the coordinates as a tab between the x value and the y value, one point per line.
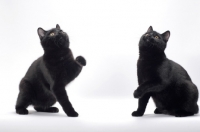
157	111
183	114
72	114
81	60
137	113
137	94
180	115
52	110
22	111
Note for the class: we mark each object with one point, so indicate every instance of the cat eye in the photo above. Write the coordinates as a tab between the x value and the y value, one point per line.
51	34
156	37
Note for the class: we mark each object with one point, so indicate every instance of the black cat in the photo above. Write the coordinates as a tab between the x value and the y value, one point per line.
45	80
162	79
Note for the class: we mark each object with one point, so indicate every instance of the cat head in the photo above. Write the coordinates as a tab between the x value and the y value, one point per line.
53	39
153	41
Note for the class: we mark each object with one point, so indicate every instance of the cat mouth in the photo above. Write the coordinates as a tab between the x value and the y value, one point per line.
149	40
58	42
150	43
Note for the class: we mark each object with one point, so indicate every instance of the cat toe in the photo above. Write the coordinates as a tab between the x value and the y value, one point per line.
137	113
81	60
157	111
72	114
22	111
53	110
183	114
179	115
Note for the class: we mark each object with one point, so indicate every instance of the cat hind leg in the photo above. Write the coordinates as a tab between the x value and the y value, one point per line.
46	104
189	105
49	109
24	98
158	111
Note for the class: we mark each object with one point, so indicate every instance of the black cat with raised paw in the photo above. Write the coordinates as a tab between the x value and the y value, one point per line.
164	80
45	80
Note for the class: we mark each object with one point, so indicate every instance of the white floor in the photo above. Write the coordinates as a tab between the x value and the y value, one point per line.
99	115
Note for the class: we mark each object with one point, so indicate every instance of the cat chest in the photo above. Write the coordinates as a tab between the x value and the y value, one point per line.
146	72
55	73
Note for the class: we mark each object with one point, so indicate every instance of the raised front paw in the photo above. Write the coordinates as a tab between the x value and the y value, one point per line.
137	113
72	113
137	94
81	60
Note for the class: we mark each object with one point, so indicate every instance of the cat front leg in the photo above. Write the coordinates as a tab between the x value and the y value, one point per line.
62	97
75	67
148	87
142	103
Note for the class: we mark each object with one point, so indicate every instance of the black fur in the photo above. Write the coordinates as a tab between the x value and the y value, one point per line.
165	81
45	80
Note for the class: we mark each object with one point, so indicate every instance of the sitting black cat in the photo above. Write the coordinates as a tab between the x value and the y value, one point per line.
45	80
162	79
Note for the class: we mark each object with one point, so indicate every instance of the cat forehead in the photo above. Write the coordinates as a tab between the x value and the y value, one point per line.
153	33
53	30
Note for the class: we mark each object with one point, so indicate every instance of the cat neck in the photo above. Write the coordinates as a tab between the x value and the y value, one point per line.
57	55
152	55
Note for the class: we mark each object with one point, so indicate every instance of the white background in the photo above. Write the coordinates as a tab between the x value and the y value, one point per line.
106	33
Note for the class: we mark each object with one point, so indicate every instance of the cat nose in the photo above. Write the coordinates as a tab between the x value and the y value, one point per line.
147	37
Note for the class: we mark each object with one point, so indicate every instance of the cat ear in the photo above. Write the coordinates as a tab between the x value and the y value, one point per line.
41	32
57	26
166	36
150	29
